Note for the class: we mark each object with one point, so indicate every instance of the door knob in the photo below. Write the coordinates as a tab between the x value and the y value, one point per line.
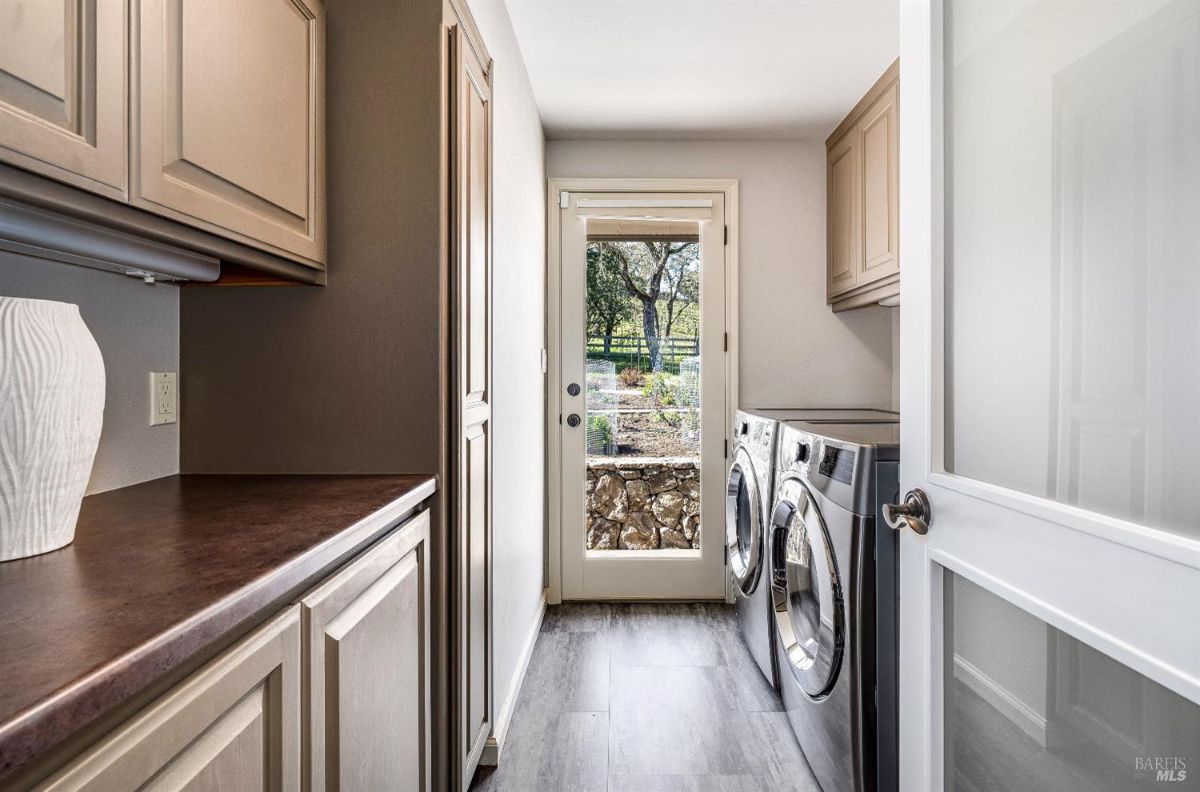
914	512
573	389
572	420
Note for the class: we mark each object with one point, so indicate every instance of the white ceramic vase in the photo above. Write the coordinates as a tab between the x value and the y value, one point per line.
51	409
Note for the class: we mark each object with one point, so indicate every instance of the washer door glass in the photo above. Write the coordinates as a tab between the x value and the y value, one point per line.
743	523
806	591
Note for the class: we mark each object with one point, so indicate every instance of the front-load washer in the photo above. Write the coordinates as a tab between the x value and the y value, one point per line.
749	496
833	595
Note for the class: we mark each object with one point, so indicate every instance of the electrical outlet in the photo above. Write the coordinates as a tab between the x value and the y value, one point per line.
164	400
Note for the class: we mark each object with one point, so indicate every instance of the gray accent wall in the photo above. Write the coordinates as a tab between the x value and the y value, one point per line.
136	327
346	378
793	351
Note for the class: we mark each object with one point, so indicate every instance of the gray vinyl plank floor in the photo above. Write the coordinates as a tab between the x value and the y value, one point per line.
646	697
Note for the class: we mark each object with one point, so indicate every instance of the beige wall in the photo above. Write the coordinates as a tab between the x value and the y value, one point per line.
793	350
137	329
895	358
519	277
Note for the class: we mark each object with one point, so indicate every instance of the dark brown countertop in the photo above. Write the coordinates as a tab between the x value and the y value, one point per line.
160	573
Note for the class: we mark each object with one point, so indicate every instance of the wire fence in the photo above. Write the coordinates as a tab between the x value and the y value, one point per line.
602	402
689	398
633	351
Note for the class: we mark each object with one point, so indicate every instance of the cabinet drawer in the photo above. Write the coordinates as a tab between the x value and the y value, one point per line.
367	646
228	116
62	90
235	724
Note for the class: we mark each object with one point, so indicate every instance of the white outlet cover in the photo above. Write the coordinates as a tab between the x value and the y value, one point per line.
164	398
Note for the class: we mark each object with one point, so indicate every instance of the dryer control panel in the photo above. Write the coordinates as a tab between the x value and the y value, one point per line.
837	463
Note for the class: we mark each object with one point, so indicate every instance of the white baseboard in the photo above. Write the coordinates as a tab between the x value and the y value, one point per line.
1008	705
495	741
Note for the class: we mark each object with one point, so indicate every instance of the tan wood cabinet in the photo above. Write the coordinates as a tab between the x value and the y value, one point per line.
228	119
210	114
367	650
862	202
235	724
844	215
331	694
470	263
62	90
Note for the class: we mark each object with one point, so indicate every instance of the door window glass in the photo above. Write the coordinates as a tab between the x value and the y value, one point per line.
1072	139
643	386
1028	707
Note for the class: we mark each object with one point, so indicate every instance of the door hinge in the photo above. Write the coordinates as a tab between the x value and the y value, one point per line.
564	200
726	235
727	341
727	448
560	419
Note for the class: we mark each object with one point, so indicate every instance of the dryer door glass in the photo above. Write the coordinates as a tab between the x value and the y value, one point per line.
807	592
743	523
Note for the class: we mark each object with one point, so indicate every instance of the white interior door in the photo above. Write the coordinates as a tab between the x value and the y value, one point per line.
642	518
1050	316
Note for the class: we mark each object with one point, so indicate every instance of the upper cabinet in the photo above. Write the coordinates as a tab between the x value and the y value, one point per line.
863	199
62	90
228	129
208	113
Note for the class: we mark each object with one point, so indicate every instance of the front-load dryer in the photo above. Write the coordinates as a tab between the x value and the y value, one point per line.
833	598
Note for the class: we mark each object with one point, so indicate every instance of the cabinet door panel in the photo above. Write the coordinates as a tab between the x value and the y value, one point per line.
476	272
478	649
229	120
843	211
62	90
881	219
366	629
235	724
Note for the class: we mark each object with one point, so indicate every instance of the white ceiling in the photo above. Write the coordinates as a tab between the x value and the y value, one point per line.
701	69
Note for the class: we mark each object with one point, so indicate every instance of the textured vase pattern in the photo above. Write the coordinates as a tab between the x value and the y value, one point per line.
51	409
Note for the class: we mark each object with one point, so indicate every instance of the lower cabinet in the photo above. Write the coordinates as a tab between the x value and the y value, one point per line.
235	724
368	655
330	694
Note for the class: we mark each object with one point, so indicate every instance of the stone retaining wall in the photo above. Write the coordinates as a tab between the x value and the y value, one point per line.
643	504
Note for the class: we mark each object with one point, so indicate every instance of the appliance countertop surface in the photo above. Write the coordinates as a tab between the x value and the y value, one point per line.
161	577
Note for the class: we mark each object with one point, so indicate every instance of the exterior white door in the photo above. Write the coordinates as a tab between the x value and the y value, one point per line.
642	519
1050	317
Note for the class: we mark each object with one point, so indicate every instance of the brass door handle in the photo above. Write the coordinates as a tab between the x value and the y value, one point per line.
915	512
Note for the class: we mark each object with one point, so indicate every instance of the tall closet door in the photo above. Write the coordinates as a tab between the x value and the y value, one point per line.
472	378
